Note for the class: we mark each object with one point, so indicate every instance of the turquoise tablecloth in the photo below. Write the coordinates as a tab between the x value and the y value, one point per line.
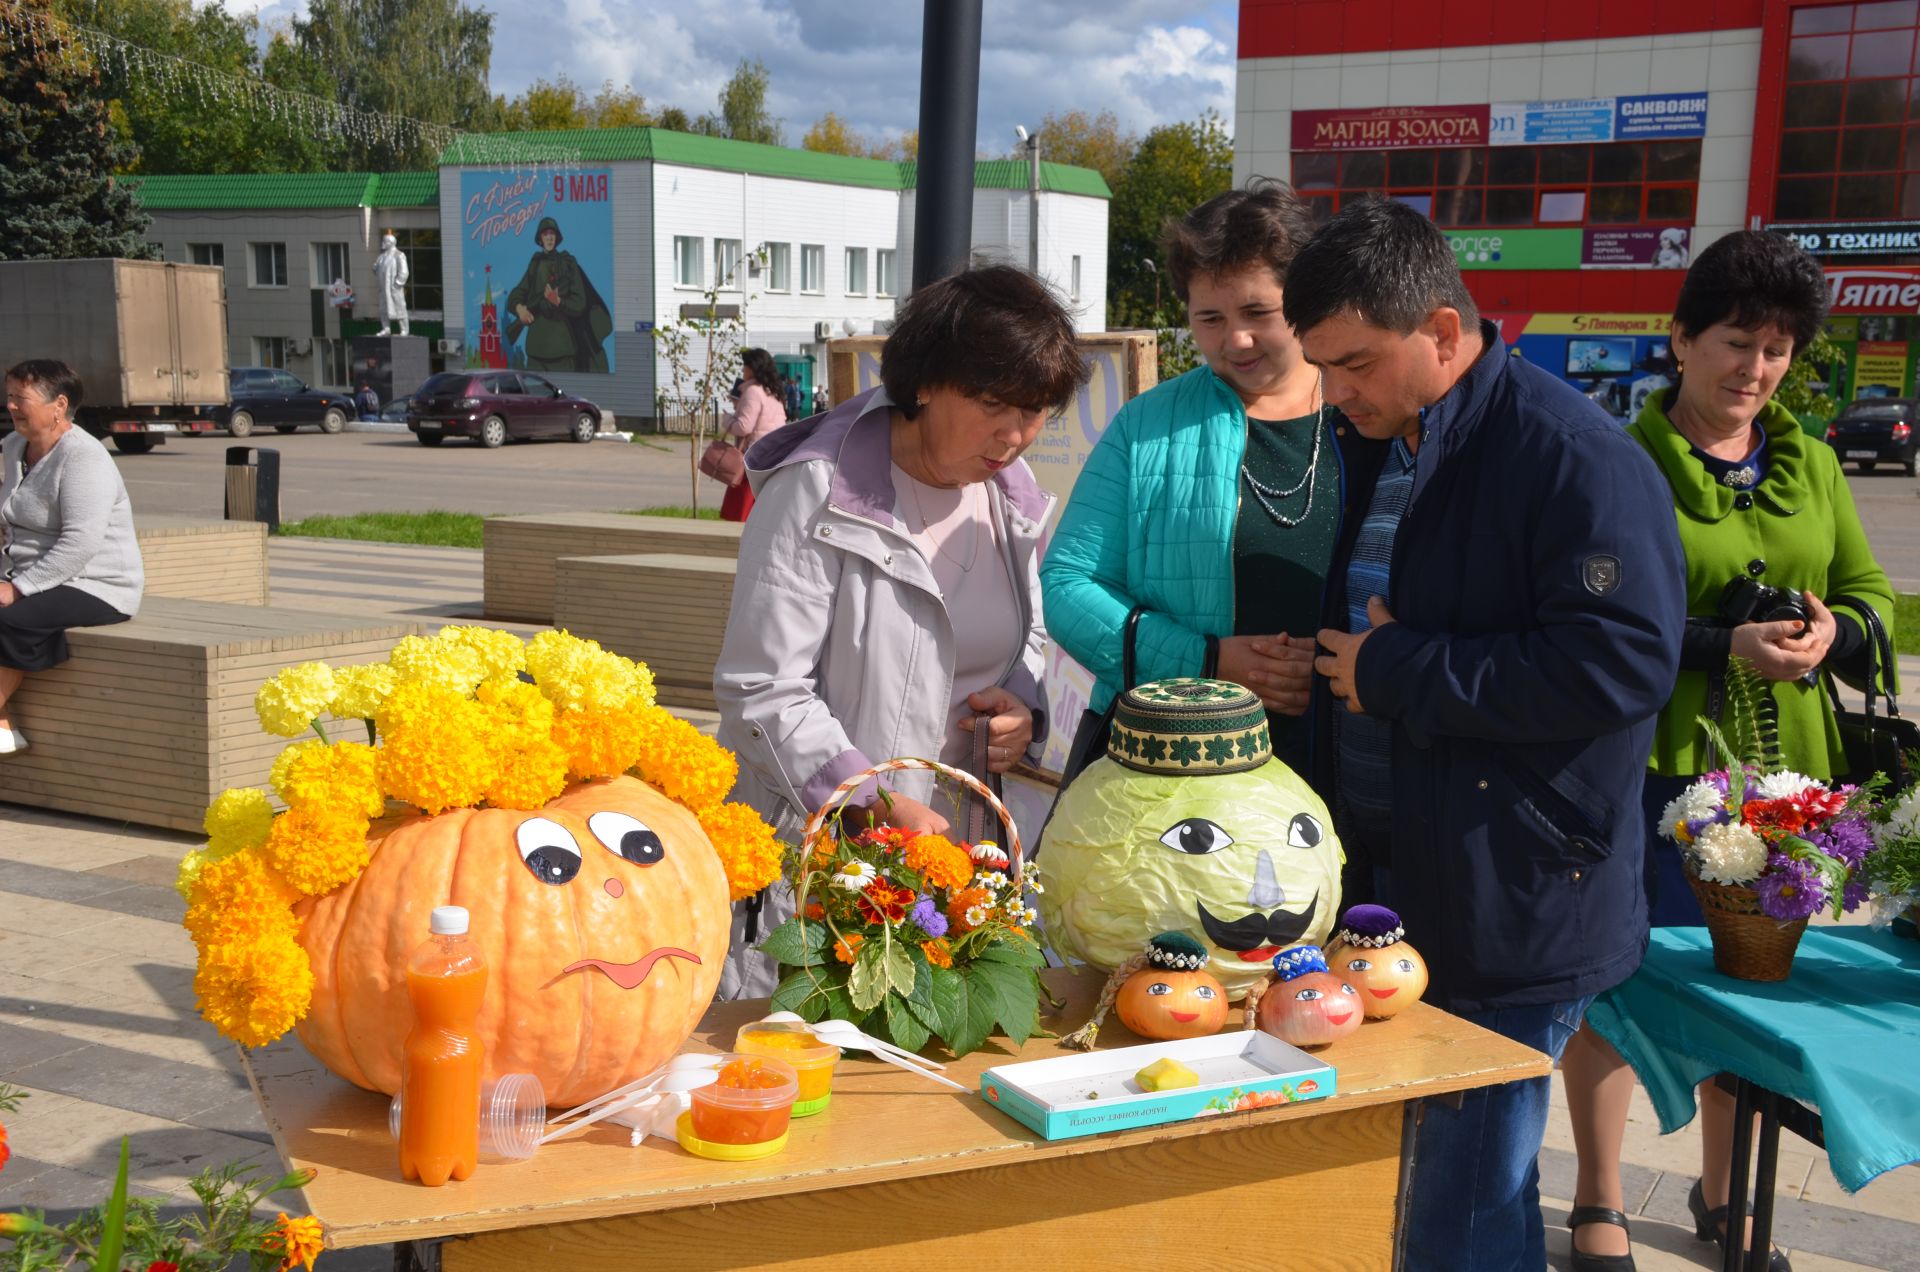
1842	1034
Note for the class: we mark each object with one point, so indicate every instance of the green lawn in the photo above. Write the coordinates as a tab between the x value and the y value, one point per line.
1906	623
436	529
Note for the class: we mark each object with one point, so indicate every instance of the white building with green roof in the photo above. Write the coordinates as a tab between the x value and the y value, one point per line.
815	246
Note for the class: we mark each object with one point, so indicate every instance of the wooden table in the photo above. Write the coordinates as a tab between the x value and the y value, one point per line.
899	1173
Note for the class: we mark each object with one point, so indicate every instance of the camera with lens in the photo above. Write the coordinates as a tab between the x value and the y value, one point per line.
1748	600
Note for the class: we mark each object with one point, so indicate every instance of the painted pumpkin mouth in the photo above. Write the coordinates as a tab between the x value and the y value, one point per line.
1185	1017
1257	937
629	975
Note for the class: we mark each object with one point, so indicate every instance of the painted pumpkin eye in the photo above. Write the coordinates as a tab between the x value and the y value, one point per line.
548	850
1204	992
627	836
1404	965
1197	836
1159	989
1304	832
1359	965
1308	996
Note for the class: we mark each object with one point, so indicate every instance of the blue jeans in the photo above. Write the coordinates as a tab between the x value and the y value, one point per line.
1474	1203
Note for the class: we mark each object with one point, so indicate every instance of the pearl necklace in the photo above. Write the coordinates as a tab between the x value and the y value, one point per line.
1263	492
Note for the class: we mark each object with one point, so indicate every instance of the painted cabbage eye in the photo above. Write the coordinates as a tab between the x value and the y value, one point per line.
627	836
548	850
1197	837
1304	831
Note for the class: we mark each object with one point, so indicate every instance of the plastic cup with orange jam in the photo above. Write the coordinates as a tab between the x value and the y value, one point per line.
794	1043
743	1113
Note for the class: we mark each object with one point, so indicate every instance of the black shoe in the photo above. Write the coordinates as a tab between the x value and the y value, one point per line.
1584	1262
1711	1225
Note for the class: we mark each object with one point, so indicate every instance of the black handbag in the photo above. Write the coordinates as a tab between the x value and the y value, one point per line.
1090	738
1874	742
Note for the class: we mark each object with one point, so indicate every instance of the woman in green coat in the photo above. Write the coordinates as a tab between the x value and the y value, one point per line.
1758	502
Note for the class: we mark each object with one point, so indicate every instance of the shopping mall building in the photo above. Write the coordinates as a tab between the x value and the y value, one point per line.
1579	152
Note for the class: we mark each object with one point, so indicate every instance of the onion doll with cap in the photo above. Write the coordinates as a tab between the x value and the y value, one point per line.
1370	952
1164	992
1307	1005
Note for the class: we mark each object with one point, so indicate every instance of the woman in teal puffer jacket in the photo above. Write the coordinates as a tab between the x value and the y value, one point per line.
1214	503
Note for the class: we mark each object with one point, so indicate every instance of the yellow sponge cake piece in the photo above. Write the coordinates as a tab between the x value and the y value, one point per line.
1166	1074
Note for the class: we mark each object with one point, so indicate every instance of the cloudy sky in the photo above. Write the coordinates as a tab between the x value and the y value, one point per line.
1148	61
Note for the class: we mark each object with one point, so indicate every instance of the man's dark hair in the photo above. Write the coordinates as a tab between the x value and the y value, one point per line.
1381	260
995	331
51	377
1753	279
1264	224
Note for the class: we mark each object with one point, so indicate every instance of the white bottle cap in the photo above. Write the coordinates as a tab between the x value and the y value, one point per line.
449	920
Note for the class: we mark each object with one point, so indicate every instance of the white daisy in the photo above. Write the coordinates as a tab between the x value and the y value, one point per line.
855	876
1784	785
1729	853
976	915
1697	803
988	853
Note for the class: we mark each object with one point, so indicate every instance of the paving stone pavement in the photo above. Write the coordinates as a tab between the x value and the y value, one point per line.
97	1018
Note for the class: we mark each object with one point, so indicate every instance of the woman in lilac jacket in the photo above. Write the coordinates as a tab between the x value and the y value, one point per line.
758	414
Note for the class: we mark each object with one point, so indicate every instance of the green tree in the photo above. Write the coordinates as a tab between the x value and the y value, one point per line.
548	105
1808	386
1085	141
673	119
743	107
619	108
58	152
831	135
425	60
1175	169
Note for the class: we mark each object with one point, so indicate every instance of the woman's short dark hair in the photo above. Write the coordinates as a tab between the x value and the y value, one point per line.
1753	279
1381	260
1264	224
994	331
51	377
765	374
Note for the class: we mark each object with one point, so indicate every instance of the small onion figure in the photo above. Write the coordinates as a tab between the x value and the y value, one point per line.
1174	996
1370	952
1308	1006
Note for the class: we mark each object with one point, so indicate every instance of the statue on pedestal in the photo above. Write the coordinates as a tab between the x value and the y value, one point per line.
390	279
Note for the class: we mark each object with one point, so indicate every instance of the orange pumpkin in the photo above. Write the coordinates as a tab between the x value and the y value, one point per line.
603	917
1174	996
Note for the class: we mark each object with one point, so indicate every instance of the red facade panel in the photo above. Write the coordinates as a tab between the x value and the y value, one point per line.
1373	26
1565	291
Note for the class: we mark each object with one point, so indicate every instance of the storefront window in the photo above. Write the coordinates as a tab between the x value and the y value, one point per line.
1850	118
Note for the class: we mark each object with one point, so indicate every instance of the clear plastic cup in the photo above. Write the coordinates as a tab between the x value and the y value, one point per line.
812	1060
513	1116
723	1113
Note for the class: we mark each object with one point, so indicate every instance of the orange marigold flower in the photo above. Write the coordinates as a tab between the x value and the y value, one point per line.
745	844
962	901
885	902
938	861
816	911
938	953
5	1152
296	1241
848	946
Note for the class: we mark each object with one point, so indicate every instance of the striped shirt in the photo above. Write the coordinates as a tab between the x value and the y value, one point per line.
1366	743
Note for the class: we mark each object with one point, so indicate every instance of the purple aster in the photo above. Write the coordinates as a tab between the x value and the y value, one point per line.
1849	840
1790	889
1854	895
926	914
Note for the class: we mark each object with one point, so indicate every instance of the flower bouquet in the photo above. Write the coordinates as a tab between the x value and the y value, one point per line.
1893	870
910	936
1767	848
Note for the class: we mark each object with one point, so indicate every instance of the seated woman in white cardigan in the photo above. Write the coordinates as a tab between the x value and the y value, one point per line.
69	558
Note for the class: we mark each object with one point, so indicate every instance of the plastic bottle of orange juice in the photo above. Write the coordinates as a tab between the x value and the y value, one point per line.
440	1117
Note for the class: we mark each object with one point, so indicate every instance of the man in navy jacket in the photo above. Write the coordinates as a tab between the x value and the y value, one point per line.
1528	635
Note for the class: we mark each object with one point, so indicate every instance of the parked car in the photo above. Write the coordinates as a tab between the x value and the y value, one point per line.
1876	431
395	412
268	395
492	406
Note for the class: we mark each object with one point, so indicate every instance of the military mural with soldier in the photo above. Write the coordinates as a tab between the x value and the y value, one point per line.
536	243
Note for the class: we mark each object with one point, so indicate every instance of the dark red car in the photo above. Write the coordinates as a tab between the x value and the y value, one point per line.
491	406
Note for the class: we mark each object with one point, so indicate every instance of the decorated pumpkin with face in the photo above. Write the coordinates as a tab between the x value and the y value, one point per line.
1173	996
603	918
1370	953
1308	1006
1189	825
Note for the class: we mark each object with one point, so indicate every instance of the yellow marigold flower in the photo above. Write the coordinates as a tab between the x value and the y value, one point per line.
317	849
518	713
500	653
254	991
359	691
238	818
597	743
939	861
747	849
441	758
289	703
240	899
529	776
414	704
297	1241
443	664
578	674
340	777
683	762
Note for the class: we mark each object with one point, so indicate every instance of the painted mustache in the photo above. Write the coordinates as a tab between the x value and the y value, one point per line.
1257	931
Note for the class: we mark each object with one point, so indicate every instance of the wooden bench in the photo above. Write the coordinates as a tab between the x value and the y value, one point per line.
668	610
204	560
150	719
520	551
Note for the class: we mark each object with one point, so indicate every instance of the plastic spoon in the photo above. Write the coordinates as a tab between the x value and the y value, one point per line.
689	1061
671	1083
847	1035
